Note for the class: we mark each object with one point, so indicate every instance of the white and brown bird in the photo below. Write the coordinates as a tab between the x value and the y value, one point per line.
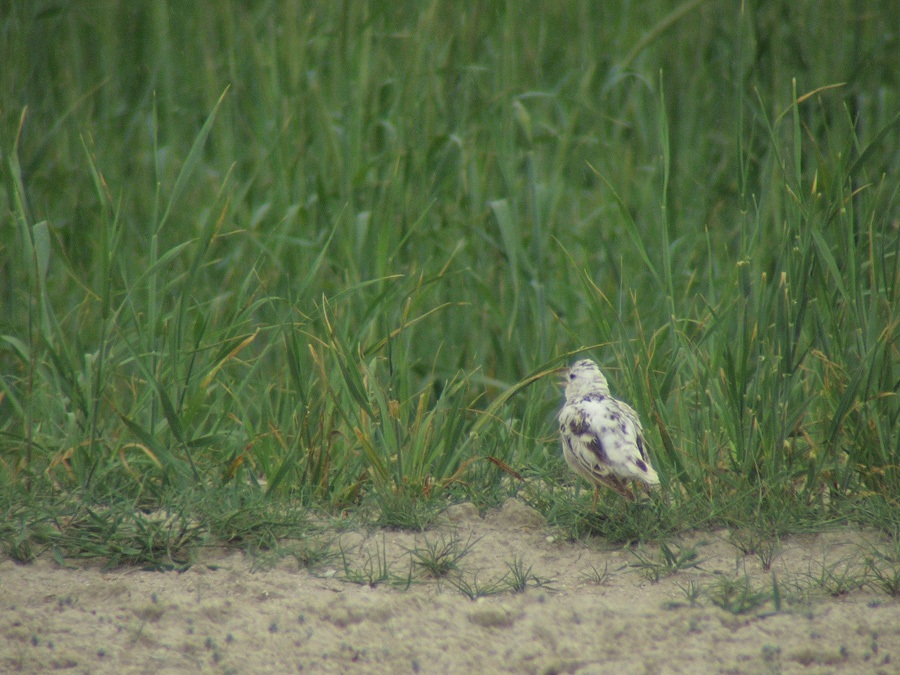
602	438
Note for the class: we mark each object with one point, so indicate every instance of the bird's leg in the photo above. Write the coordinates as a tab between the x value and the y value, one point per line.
596	496
617	484
645	488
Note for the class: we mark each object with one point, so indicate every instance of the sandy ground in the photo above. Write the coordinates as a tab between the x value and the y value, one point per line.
588	608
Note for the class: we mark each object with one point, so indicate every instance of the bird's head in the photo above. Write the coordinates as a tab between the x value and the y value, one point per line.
584	377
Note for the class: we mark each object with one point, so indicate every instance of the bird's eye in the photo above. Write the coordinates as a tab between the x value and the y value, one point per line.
571	376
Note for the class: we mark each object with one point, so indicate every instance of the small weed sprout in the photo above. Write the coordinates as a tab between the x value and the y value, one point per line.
753	541
474	590
375	570
883	572
736	595
837	578
669	561
520	576
596	576
692	591
442	557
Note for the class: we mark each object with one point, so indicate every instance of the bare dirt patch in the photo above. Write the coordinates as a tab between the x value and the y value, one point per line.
586	608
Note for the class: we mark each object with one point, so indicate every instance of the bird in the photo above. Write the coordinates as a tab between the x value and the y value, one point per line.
602	438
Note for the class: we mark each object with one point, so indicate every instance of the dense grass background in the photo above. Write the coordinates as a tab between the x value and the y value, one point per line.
264	256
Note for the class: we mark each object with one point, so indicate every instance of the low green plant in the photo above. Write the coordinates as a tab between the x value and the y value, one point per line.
474	589
441	557
406	509
883	568
839	577
517	578
596	576
692	591
668	561
737	595
612	519
520	576
123	535
375	570
752	541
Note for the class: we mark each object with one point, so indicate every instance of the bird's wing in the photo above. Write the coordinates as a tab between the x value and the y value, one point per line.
616	429
629	412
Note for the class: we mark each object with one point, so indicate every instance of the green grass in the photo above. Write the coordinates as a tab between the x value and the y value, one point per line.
440	558
738	595
272	260
668	562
